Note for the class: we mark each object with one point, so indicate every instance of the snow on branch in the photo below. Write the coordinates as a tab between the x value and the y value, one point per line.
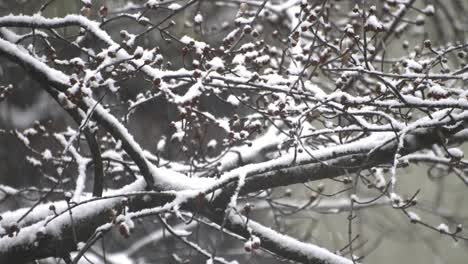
289	247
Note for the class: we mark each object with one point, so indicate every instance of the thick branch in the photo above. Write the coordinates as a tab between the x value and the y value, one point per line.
339	163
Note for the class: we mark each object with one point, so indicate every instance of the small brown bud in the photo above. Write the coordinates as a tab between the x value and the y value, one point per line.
103	11
427	43
124	230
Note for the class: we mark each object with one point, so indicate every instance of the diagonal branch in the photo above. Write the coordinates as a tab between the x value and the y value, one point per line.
281	245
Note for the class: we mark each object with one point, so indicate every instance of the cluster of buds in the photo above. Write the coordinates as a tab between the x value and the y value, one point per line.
252	244
5	91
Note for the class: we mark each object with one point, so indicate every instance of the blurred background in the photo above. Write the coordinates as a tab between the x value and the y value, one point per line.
386	235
